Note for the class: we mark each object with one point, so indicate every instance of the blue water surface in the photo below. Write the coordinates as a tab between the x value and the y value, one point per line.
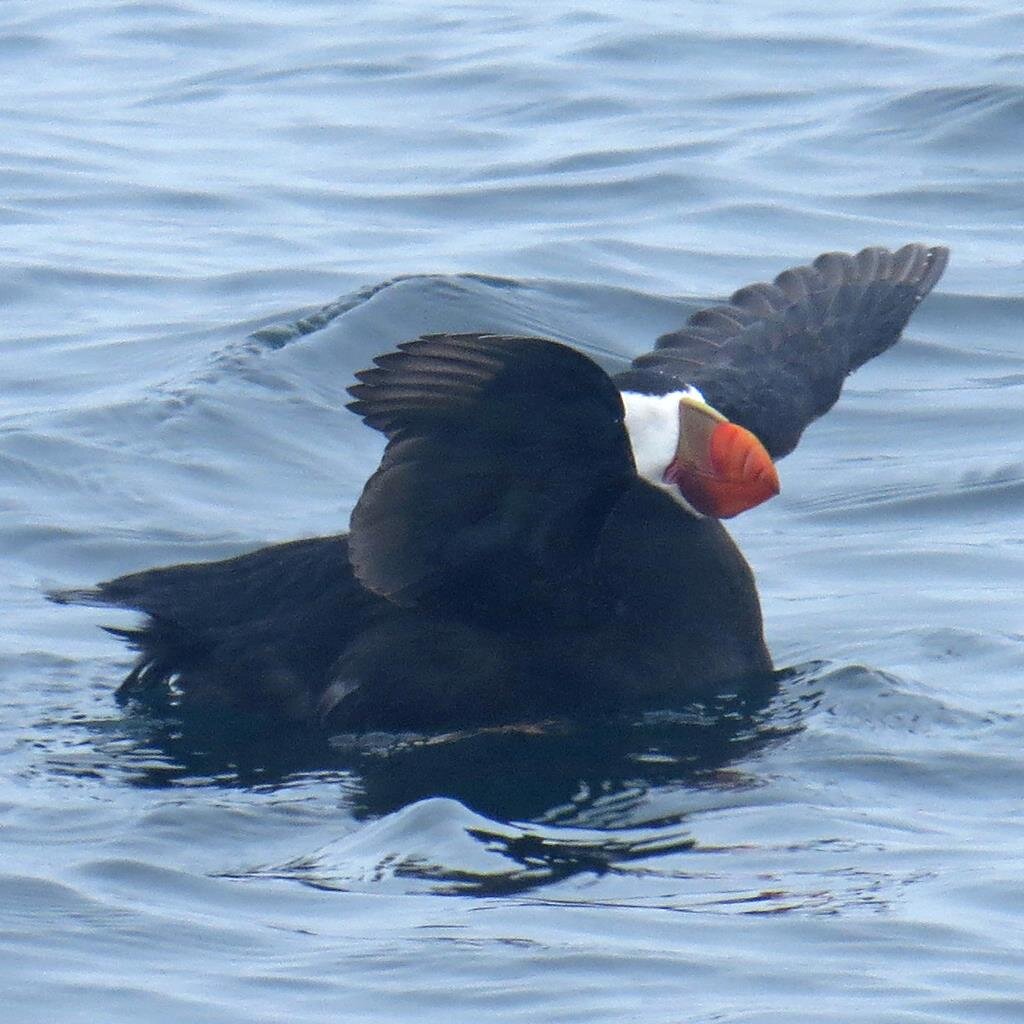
212	213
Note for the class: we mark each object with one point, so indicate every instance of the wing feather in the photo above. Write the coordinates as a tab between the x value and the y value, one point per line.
774	358
504	456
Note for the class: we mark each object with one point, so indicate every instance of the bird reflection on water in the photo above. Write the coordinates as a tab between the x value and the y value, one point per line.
553	770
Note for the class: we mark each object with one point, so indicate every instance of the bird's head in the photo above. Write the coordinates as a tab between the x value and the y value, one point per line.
712	466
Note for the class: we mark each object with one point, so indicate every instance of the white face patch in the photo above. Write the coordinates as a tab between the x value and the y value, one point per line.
652	423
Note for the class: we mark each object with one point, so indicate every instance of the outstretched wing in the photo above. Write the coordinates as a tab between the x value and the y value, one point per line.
774	358
504	456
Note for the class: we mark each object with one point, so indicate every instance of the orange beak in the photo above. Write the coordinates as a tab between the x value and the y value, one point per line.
720	468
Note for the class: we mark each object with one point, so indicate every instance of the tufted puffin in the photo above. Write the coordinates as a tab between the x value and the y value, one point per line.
540	538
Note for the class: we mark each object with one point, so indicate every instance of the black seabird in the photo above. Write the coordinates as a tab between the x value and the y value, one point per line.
540	539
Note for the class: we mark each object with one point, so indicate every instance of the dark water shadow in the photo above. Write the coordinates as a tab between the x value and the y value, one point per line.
524	771
518	810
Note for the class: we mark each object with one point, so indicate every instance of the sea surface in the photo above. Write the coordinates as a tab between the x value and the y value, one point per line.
212	213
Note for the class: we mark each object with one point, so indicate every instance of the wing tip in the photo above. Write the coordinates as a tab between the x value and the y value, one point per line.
437	378
936	261
91	596
915	264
